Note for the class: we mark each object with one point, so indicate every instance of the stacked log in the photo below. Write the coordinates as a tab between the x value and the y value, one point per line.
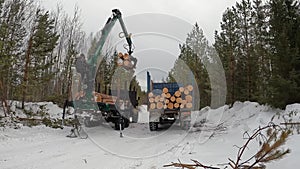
182	98
104	98
124	60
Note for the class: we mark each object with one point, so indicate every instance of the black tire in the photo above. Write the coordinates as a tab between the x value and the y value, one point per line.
126	123
121	121
153	126
117	126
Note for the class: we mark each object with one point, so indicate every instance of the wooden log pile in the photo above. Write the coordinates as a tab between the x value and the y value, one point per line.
125	60
182	98
104	98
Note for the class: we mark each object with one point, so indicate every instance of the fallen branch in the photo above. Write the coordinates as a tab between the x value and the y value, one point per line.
271	138
28	119
269	148
236	164
190	166
290	123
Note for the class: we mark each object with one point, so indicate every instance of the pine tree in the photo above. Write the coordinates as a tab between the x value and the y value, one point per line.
191	62
243	45
41	43
12	35
246	63
284	31
261	49
182	71
227	47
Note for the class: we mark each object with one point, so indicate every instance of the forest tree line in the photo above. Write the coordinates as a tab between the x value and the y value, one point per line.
37	50
259	46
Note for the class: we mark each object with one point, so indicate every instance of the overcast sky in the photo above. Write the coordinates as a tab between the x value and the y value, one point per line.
170	20
207	13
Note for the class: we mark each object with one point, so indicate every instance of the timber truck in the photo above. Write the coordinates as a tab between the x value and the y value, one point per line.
113	106
168	103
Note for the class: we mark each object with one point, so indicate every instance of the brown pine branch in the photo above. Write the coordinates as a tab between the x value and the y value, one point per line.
190	166
267	153
290	123
243	148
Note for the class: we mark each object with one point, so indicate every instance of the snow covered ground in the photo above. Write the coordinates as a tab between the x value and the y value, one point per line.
212	141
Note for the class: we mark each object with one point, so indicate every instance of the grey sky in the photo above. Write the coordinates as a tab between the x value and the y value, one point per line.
171	19
207	13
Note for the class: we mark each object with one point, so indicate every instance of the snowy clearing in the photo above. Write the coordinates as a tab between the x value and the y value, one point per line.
212	141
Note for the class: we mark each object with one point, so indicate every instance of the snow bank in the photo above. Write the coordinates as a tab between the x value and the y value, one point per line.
52	109
246	114
212	141
293	107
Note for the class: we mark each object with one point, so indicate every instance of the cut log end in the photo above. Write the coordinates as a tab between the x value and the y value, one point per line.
181	89
189	105
190	88
177	94
186	92
159	105
173	99
152	106
176	105
170	106
165	90
150	94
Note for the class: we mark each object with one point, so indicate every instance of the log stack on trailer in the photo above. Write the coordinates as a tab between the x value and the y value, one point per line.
168	102
105	98
182	98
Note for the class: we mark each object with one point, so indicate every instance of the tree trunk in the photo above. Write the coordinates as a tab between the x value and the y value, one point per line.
26	71
3	100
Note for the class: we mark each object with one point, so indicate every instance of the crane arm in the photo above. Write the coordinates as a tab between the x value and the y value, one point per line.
93	61
105	32
118	15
